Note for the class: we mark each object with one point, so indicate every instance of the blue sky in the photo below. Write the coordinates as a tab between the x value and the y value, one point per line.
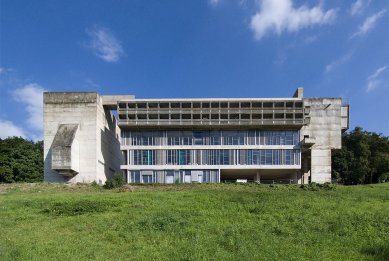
209	48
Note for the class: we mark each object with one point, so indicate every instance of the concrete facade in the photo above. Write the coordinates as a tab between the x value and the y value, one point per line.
287	140
95	148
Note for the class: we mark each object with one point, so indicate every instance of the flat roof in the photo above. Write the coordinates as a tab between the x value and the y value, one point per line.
210	99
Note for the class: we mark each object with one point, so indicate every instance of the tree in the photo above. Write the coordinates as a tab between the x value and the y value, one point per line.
364	158
20	160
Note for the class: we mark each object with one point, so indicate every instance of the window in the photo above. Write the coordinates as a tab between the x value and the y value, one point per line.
148	157
187	177
256	157
169	178
183	157
268	157
288	157
135	176
175	138
198	138
147	179
214	138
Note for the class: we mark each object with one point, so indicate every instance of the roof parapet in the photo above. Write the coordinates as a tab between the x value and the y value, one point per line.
299	93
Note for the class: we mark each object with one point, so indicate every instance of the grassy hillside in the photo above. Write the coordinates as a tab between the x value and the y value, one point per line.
194	222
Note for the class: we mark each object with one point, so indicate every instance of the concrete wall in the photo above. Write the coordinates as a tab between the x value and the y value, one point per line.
325	126
96	136
109	156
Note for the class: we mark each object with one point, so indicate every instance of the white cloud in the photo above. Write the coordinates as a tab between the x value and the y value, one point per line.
4	70
369	23
374	80
31	96
358	6
9	129
339	61
104	44
214	2
280	15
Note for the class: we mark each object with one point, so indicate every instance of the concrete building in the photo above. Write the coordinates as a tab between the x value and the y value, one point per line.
276	140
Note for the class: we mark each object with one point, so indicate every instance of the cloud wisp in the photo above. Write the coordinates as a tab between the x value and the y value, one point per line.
214	3
277	16
104	44
369	23
358	6
331	66
31	96
374	80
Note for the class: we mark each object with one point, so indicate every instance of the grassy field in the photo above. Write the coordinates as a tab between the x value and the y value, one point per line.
194	222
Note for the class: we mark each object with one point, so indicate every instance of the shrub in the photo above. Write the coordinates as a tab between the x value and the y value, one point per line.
315	187
115	182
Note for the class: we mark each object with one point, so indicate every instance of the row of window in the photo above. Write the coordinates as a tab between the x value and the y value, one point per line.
206	105
213	157
172	176
179	138
213	116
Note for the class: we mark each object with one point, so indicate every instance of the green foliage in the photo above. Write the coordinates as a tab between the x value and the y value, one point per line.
364	158
115	182
194	222
20	160
315	187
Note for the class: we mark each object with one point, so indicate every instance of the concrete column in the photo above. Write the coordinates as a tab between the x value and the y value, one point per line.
320	165
305	169
258	177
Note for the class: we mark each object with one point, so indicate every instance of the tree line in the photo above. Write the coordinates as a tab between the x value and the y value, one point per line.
21	160
364	158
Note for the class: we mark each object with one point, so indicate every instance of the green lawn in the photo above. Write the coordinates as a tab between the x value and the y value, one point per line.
194	222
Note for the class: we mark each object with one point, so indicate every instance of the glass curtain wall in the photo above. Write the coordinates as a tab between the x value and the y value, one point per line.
182	138
215	157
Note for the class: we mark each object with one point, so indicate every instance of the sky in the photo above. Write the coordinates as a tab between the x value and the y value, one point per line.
193	49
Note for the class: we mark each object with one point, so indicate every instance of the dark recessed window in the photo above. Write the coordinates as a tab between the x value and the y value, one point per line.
268	116
142	105
279	116
234	105
245	105
175	105
245	116
257	116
